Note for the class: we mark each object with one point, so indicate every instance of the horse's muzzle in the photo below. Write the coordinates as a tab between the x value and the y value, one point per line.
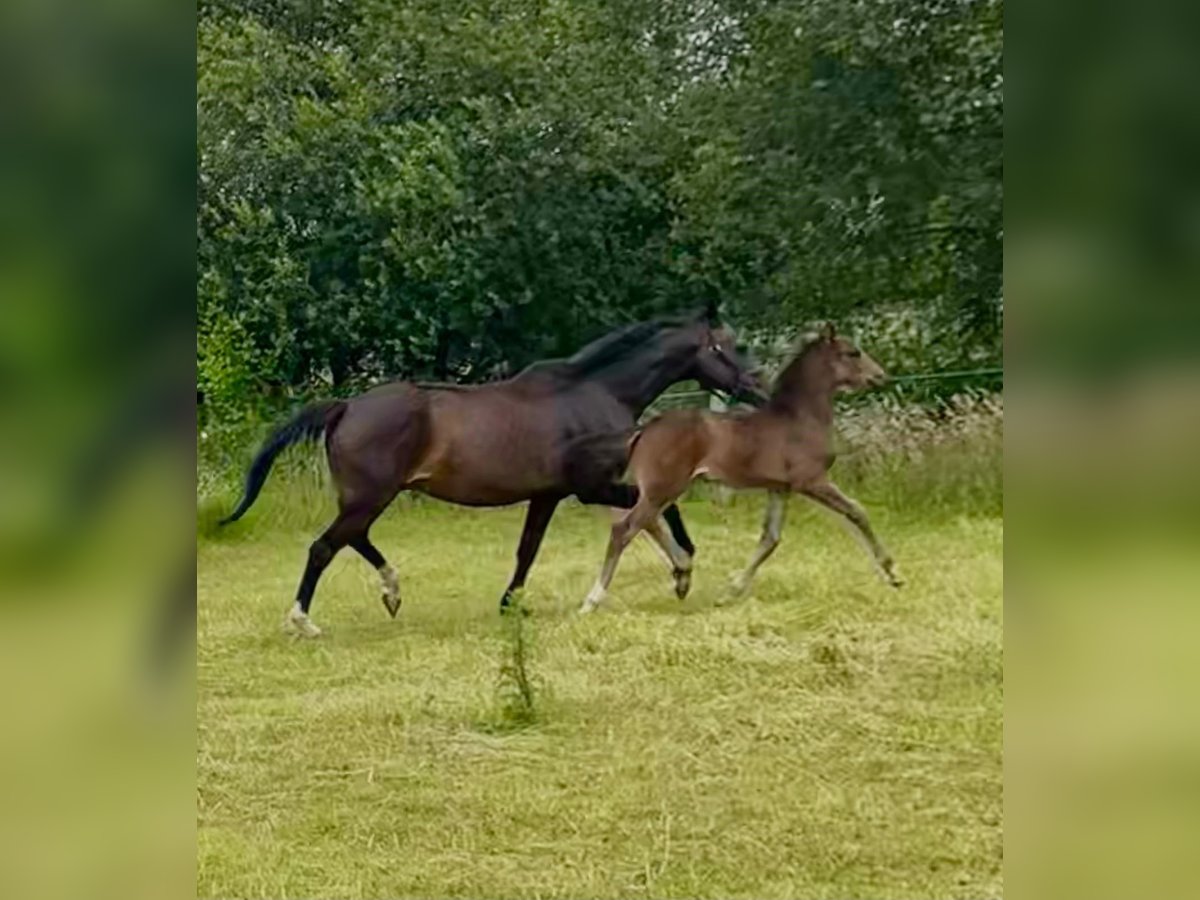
756	398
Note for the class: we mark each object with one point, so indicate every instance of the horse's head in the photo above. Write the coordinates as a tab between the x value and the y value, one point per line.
850	368
718	365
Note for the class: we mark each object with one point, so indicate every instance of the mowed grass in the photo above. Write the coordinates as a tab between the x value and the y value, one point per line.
827	737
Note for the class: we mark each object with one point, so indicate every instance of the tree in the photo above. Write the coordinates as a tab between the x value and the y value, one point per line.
414	190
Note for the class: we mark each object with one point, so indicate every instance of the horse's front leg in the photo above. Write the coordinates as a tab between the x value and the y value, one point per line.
623	531
537	518
827	494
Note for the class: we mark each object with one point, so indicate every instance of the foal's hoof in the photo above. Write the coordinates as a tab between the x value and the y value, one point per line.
683	582
391	602
298	623
892	577
739	587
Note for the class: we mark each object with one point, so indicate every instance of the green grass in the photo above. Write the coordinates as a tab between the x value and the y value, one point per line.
827	737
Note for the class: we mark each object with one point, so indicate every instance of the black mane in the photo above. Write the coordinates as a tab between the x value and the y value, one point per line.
614	347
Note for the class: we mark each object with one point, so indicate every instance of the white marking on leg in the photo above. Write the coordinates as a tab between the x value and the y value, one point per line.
772	532
594	598
298	622
391	589
622	533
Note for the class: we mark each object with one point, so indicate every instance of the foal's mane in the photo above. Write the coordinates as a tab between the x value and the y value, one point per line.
788	379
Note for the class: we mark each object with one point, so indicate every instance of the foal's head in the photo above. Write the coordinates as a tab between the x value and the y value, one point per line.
849	367
826	365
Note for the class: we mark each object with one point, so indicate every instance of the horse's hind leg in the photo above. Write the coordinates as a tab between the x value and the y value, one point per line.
391	584
349	528
772	531
320	554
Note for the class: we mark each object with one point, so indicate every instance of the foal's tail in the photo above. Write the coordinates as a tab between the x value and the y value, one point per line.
307	425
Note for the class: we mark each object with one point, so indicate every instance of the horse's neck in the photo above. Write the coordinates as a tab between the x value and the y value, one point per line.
804	394
636	386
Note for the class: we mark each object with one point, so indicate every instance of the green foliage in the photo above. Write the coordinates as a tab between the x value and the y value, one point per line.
225	359
453	191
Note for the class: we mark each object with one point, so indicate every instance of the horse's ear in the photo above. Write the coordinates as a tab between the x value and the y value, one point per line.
711	314
827	333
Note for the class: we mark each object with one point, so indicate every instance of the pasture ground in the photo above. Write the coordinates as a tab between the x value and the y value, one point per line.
827	737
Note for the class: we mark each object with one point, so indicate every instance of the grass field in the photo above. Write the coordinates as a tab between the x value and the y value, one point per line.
827	737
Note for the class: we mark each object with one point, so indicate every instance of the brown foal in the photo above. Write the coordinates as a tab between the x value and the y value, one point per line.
785	447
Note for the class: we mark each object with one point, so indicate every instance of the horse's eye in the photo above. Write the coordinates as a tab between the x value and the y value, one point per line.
854	354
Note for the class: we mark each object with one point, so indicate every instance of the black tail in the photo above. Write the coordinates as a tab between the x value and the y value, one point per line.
307	425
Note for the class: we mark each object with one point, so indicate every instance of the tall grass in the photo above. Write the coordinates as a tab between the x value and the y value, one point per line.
943	458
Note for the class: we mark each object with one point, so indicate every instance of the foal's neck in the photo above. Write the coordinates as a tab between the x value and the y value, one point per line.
805	389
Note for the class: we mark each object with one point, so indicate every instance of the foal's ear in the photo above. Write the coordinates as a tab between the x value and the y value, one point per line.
711	314
827	332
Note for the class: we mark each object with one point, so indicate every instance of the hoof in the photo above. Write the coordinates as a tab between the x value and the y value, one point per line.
589	605
891	577
392	604
592	600
511	602
739	586
683	582
299	624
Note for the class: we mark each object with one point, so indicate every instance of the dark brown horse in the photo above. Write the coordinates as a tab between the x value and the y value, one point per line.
784	447
526	438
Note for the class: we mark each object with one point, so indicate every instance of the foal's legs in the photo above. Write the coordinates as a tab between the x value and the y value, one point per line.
624	531
679	559
666	530
537	517
772	531
827	494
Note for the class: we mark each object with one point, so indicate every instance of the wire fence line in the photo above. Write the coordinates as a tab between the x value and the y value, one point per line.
945	376
988	377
